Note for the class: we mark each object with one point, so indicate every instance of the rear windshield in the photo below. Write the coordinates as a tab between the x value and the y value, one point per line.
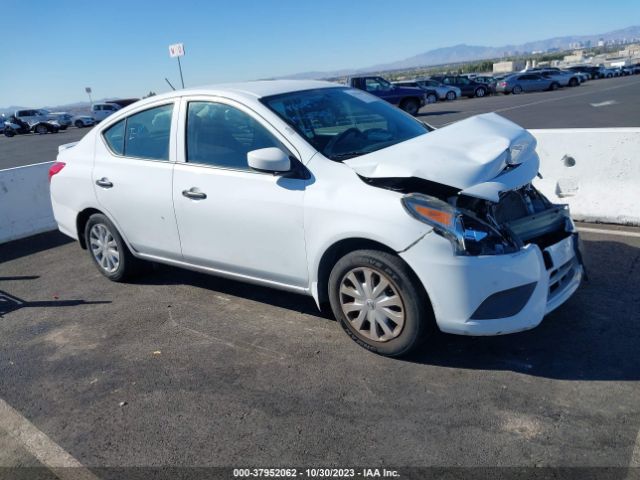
343	123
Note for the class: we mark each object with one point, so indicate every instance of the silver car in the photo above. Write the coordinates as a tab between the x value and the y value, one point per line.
523	82
445	92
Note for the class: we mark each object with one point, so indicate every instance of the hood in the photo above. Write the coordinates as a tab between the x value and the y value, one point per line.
482	156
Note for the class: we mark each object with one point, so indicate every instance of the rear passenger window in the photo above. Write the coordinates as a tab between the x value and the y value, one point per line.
114	136
142	135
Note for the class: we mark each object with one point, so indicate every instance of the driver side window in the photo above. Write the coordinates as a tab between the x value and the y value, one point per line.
220	135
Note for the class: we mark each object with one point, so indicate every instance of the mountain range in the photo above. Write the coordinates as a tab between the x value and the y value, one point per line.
464	53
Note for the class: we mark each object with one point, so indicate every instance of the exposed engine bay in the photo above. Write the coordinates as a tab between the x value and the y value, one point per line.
521	216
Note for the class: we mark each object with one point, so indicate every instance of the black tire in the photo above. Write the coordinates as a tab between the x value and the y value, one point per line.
516	90
41	129
63	127
79	124
553	86
480	92
418	319
411	106
8	132
128	265
451	96
432	98
573	82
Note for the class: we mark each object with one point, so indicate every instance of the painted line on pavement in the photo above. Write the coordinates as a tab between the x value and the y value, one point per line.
603	104
38	444
606	231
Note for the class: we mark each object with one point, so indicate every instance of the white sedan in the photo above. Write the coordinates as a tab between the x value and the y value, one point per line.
327	191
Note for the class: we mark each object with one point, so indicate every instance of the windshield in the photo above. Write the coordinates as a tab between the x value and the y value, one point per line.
344	123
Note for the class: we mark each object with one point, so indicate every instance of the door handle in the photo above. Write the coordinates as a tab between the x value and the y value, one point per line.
194	194
104	182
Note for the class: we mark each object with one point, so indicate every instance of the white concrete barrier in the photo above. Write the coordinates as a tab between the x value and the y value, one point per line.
25	207
595	170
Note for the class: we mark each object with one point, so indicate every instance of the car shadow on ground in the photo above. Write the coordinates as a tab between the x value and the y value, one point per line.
34	244
433	114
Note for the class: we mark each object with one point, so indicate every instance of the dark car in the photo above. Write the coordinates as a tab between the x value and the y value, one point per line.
594	72
408	99
470	88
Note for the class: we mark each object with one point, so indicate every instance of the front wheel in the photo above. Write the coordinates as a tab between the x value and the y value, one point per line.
451	96
107	249
379	302
8	132
79	124
480	92
410	106
41	129
554	86
517	90
432	98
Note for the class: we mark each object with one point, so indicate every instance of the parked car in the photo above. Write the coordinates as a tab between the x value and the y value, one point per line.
16	126
32	115
594	71
82	121
611	72
100	111
444	92
559	78
400	228
488	80
64	119
524	82
408	99
469	87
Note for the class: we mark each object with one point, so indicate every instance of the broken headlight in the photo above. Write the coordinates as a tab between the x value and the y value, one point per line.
468	234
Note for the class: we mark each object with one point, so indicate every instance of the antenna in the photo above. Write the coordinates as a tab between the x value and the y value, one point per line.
167	80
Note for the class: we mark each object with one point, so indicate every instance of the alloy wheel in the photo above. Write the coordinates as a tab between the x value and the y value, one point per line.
104	248
372	305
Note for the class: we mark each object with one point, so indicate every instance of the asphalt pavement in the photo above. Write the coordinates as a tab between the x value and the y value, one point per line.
181	369
610	102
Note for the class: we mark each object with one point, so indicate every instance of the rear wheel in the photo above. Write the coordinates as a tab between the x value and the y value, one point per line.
410	106
379	302
481	92
573	82
451	96
432	98
8	132
40	129
107	249
79	124
516	90
553	86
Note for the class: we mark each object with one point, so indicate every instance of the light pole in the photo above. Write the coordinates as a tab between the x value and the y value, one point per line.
88	90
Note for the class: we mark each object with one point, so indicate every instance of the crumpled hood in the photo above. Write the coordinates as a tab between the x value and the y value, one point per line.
471	155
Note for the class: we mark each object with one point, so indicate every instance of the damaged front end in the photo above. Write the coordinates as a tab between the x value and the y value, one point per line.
476	226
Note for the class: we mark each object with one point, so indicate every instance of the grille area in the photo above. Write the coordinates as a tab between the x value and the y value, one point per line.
560	277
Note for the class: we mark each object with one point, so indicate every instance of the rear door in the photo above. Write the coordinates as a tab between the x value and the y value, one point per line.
132	177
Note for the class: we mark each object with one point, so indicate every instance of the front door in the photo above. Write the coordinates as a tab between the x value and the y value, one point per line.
231	218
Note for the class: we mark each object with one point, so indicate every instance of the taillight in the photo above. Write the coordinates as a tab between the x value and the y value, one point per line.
502	84
55	168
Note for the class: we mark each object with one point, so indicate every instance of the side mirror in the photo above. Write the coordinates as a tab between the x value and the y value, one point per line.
270	159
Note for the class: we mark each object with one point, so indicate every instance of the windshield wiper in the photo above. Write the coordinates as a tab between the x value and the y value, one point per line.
347	155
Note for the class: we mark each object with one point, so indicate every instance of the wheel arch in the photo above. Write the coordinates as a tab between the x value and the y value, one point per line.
338	250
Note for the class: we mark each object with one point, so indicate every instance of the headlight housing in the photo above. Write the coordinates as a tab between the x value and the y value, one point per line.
468	234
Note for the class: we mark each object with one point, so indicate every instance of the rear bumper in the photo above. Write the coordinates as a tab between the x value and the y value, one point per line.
457	286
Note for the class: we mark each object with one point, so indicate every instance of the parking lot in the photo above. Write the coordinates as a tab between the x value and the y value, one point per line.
182	369
177	369
612	102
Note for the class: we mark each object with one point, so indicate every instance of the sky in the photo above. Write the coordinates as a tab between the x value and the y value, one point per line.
52	50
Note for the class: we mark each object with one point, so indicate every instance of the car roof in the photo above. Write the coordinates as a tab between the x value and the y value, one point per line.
256	89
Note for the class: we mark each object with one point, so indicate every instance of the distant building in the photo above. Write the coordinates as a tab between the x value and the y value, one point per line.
601	42
576	57
508	67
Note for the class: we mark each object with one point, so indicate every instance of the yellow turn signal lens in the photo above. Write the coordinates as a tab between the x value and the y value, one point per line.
443	218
